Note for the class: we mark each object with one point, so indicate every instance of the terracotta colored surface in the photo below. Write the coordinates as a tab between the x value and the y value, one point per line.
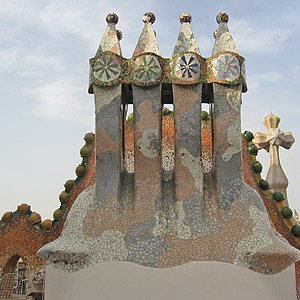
21	239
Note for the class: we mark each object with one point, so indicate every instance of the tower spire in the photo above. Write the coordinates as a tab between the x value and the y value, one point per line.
110	41
186	40
224	40
147	41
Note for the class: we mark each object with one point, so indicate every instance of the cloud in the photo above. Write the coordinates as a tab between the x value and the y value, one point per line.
206	45
32	63
13	9
266	77
73	18
9	59
10	34
257	80
59	18
61	100
258	39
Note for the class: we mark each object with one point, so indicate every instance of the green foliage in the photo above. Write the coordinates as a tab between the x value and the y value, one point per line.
129	119
167	112
204	115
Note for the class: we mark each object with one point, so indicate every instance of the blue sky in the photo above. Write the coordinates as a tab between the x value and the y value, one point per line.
46	110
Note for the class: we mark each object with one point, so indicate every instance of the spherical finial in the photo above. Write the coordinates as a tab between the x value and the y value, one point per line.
149	17
119	35
222	17
112	18
215	33
185	18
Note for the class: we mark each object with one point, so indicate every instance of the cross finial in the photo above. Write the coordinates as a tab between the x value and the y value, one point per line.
271	142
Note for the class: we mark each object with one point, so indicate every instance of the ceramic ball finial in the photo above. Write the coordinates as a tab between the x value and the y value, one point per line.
185	18
112	18
215	33
149	17
222	17
119	35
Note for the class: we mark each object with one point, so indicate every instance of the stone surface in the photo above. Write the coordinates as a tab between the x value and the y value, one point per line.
192	212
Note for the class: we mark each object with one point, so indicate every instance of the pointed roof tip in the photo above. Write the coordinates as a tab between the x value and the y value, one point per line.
224	40
186	40
109	42
147	41
111	37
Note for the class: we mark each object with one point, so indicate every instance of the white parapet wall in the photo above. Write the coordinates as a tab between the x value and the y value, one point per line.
196	280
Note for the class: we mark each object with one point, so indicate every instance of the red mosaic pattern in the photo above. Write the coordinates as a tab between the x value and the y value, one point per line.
19	238
297	270
272	209
270	204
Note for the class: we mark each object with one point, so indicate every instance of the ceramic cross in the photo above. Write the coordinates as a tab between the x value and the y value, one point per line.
271	142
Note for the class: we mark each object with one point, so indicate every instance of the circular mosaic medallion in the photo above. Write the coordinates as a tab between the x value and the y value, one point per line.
107	68
146	68
226	67
187	66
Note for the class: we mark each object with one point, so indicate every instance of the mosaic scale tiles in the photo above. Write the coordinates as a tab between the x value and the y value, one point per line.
163	218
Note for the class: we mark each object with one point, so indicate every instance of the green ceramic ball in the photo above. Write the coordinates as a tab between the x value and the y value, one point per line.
89	137
248	135
58	214
63	196
69	184
286	212
84	151
253	150
296	230
278	196
264	184
257	167
80	170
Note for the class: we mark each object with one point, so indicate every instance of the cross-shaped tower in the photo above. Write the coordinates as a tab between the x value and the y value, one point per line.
271	142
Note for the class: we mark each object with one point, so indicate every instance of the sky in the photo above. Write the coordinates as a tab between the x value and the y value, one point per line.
45	109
